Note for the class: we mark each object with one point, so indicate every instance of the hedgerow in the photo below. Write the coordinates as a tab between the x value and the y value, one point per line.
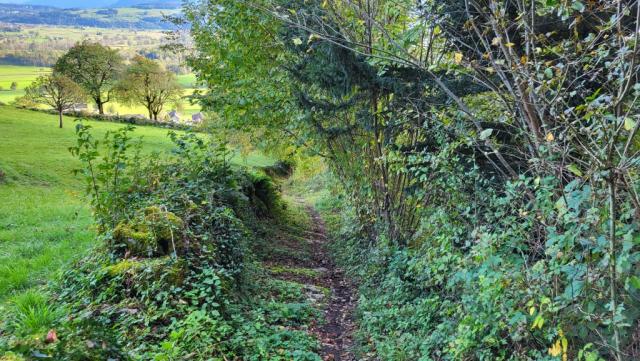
174	276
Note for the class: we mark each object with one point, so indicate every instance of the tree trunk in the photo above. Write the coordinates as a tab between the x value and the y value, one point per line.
100	105
150	115
60	115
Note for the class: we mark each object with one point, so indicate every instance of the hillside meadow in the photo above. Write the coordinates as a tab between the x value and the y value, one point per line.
45	220
25	75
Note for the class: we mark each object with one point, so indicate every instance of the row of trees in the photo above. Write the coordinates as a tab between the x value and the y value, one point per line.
496	140
93	71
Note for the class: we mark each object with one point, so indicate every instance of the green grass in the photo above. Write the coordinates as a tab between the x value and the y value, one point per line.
25	75
44	218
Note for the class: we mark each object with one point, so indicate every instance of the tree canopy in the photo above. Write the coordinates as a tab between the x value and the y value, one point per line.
94	67
57	91
145	82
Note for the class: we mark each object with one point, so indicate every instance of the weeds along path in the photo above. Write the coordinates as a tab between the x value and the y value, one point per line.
307	260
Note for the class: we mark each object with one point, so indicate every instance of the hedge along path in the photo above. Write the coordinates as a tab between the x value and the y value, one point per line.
325	286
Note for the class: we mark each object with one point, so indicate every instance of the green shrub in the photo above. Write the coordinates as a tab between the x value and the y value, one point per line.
169	281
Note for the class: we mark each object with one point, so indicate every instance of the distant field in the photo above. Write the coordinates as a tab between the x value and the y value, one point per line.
44	220
43	44
25	75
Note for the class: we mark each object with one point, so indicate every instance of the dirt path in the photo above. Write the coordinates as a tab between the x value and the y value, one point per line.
335	333
325	286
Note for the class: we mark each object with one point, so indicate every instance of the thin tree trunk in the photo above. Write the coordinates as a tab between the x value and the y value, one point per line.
60	116
100	105
612	264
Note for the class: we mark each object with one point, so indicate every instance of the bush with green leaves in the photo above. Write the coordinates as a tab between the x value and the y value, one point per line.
169	278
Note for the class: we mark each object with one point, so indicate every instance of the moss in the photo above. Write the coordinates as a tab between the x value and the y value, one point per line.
307	272
135	238
153	235
166	227
11	357
122	267
146	271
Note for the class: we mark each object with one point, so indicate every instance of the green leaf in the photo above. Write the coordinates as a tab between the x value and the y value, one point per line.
634	281
574	169
485	134
578	6
548	72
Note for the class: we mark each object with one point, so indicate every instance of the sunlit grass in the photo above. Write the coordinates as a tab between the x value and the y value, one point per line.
45	220
25	75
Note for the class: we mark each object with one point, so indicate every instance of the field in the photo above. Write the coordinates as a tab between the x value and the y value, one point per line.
25	75
44	219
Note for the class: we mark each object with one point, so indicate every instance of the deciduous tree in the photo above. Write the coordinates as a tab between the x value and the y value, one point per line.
94	67
57	91
145	82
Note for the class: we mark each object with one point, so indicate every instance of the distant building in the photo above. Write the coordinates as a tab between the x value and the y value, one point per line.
79	107
173	116
197	118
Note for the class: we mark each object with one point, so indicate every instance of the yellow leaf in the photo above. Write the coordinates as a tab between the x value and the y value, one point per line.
532	310
550	137
556	349
457	57
297	41
629	124
496	41
509	45
523	59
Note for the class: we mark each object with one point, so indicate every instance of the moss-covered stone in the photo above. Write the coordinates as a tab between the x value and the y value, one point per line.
145	271
166	228
154	234
135	238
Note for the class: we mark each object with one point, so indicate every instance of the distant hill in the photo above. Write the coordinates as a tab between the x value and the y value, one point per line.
139	15
88	4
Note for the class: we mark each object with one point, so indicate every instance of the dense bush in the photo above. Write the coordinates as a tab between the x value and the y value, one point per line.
474	283
170	279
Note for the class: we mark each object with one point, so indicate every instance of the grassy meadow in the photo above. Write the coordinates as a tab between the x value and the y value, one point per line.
25	75
45	220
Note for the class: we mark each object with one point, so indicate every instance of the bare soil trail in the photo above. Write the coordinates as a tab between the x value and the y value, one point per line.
325	285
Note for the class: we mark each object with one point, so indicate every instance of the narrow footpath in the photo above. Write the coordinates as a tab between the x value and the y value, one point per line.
325	286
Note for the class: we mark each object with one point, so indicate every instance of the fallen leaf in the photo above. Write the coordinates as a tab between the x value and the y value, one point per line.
51	337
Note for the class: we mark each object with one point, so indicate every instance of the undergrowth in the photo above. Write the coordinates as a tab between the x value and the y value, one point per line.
177	275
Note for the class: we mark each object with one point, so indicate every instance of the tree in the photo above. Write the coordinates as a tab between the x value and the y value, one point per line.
94	67
145	82
55	90
14	85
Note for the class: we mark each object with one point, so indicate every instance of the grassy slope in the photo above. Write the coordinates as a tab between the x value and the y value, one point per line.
44	220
